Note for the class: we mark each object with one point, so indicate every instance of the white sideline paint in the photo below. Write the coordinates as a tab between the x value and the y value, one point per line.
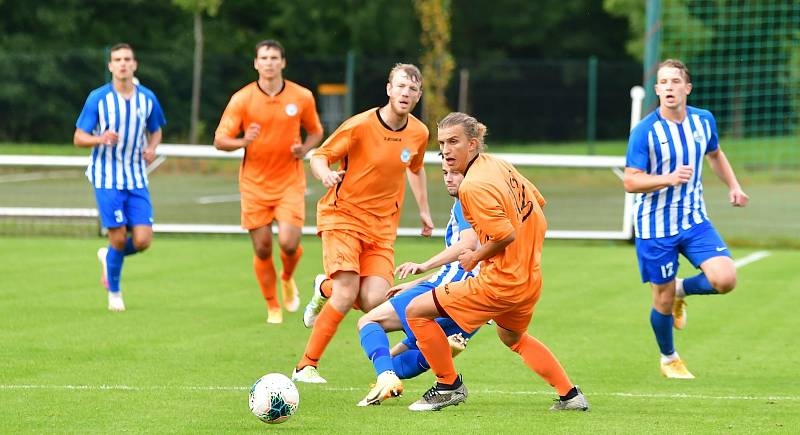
361	389
752	258
218	199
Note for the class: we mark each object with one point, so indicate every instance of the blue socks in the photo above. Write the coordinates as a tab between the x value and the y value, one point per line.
114	264
409	364
698	285
129	249
662	327
376	345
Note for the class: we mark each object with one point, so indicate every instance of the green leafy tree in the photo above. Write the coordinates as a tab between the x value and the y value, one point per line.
436	60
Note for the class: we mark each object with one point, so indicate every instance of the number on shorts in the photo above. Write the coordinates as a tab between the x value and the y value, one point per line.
666	270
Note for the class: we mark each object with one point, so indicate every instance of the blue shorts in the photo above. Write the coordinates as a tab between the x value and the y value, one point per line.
124	207
400	303
658	258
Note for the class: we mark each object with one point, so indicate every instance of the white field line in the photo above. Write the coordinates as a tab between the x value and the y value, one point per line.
216	199
485	391
35	176
752	258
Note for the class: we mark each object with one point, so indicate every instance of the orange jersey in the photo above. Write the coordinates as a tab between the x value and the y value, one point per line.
497	200
374	158
269	168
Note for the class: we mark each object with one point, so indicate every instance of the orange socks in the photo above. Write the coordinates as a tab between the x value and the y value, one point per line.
290	263
265	274
539	358
324	330
433	344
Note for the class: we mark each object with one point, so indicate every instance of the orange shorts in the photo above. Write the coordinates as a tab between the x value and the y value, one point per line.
345	250
290	209
471	305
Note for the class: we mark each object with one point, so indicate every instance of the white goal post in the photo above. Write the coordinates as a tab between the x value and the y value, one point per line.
164	151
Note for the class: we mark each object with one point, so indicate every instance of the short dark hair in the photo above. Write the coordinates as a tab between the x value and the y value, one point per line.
271	43
675	63
120	46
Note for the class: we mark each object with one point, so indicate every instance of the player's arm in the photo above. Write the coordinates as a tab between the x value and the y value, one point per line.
470	258
153	140
312	140
83	139
720	165
322	171
225	143
468	239
638	181
419	187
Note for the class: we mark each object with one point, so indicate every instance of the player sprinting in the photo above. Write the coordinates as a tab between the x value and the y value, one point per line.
122	123
664	167
389	316
358	217
270	111
505	210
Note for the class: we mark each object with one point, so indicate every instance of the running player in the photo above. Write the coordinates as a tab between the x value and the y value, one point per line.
359	215
505	209
391	315
121	121
272	182
664	167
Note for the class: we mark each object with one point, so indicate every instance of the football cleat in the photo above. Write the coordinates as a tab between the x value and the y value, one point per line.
577	403
309	375
437	398
676	369
679	313
115	302
387	386
316	303
291	297
274	315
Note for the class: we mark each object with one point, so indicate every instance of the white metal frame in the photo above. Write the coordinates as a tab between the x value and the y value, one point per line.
614	163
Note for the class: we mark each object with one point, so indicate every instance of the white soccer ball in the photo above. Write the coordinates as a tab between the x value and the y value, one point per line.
274	398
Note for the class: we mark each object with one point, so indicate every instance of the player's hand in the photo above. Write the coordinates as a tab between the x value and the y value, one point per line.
738	198
252	132
332	178
394	291
681	175
298	150
427	224
468	259
409	268
149	154
109	138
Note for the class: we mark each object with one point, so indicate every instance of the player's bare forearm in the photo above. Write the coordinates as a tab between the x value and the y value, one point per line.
470	258
419	187
723	169
468	239
311	141
229	143
83	139
637	181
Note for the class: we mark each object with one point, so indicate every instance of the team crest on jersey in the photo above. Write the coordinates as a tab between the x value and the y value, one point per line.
405	155
698	136
291	109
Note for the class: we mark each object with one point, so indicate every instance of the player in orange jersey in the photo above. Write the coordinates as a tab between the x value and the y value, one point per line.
505	209
270	112
359	215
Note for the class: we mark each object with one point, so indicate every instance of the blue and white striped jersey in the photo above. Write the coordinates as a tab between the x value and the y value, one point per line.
657	146
452	271
121	166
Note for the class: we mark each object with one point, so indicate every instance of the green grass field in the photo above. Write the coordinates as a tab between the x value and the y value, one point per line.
194	338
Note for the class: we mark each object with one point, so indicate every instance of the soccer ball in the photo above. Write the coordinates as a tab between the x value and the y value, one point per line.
274	398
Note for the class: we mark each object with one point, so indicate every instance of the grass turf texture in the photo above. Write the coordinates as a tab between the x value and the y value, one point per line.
194	339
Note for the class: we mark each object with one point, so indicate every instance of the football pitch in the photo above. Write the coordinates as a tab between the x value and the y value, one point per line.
194	338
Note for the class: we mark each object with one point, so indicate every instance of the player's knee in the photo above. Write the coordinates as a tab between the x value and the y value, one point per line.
263	252
723	284
141	244
289	249
509	338
364	321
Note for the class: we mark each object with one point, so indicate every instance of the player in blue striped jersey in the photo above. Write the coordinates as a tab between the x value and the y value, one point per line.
121	121
405	360
664	168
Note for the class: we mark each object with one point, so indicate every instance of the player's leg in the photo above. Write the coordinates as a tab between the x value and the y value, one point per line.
408	360
264	269
511	329
372	328
111	208
705	249
290	214
377	271
321	292
431	340
340	254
